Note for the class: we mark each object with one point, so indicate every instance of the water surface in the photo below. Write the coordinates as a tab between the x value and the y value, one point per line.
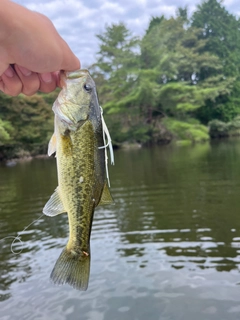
169	248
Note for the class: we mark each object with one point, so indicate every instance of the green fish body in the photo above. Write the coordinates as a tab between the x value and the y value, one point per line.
77	141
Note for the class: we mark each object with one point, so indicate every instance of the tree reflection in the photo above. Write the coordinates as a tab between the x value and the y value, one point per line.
186	199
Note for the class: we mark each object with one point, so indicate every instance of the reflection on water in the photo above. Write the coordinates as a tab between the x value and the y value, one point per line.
168	248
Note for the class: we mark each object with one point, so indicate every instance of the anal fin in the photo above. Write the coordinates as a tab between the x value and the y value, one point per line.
106	197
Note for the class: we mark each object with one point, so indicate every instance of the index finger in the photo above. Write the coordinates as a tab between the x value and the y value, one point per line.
10	82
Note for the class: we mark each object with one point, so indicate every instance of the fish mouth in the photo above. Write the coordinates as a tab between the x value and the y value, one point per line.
71	75
62	81
61	106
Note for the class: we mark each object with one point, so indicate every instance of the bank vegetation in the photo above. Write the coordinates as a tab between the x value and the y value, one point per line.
179	82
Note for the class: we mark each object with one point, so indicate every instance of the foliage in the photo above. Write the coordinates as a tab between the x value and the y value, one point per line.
163	79
221	31
5	131
27	122
219	129
191	131
224	107
179	78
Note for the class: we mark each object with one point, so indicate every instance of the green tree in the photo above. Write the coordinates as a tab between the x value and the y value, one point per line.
154	22
221	29
163	81
116	60
177	61
28	122
115	74
5	132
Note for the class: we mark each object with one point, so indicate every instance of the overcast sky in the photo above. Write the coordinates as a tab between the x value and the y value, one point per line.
79	21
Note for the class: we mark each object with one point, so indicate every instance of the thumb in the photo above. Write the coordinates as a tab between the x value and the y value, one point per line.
70	60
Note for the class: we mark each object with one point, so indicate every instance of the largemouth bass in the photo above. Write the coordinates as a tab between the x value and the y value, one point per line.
79	143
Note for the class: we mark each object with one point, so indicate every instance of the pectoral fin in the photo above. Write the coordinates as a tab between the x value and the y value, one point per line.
106	197
52	145
54	206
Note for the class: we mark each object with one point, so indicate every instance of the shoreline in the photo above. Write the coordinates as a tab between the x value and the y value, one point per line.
12	162
123	146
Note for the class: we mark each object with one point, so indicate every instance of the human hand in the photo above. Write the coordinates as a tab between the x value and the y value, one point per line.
31	51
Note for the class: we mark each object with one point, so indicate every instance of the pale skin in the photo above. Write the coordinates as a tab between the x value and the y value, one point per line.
31	51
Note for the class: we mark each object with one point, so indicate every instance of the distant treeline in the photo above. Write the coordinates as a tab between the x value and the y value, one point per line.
26	124
180	81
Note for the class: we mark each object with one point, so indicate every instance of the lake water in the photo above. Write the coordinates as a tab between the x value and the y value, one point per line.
169	249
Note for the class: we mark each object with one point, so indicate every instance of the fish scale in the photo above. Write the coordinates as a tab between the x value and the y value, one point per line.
78	202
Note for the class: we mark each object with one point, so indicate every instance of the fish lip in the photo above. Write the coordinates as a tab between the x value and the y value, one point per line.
64	76
62	81
71	75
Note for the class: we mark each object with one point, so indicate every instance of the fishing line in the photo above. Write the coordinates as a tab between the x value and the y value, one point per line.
18	238
108	144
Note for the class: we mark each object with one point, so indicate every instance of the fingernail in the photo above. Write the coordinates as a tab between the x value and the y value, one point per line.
9	72
25	71
46	77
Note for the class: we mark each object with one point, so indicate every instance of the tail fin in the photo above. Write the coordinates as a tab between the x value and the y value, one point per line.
72	269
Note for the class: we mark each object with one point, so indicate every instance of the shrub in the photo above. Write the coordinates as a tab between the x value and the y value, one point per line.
219	129
190	130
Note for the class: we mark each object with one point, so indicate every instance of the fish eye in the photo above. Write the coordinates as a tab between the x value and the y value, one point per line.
87	87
